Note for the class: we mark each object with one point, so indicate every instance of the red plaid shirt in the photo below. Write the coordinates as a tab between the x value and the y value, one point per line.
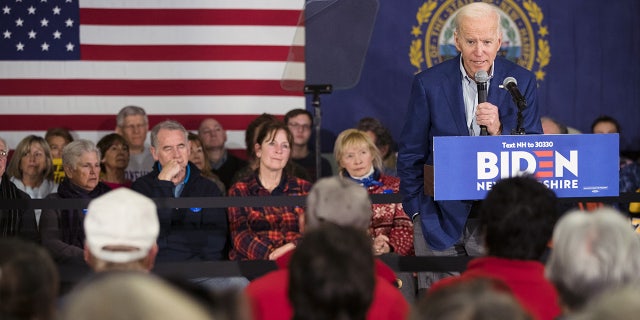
257	231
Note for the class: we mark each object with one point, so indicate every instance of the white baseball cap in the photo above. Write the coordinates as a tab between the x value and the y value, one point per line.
121	217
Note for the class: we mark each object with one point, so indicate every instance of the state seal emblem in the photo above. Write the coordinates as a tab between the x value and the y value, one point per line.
524	35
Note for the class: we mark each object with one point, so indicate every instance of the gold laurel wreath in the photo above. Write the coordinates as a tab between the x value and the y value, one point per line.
422	16
543	56
544	50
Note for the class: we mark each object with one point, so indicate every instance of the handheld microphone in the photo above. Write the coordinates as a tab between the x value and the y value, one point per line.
482	78
511	85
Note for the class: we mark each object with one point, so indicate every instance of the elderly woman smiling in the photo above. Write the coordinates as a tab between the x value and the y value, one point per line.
62	230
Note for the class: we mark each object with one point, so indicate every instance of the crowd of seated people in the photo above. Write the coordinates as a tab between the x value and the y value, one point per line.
185	164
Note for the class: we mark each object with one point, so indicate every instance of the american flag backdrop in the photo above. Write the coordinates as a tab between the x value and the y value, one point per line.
74	64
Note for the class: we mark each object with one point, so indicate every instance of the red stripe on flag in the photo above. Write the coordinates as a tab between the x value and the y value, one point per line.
102	122
188	17
191	53
90	87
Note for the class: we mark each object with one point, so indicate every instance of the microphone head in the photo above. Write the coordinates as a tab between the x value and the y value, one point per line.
508	80
481	76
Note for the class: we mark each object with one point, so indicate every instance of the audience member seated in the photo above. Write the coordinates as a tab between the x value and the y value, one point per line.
121	227
115	159
629	170
300	123
332	276
383	140
61	230
222	163
130	295
250	139
517	219
197	234
331	200
267	232
359	159
14	222
58	138
592	253
28	281
132	124
31	169
200	159
475	299
551	126
606	124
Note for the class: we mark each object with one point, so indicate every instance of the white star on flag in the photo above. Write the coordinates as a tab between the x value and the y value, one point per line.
31	10
20	46
56	10
70	46
6	10
19	22
69	23
44	23
57	34
45	46
32	34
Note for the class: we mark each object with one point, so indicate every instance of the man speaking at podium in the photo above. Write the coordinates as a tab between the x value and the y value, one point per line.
444	102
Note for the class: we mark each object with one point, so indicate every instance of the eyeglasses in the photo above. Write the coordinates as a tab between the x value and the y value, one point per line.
296	126
3	154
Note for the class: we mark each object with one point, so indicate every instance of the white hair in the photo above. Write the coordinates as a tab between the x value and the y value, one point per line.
477	10
592	252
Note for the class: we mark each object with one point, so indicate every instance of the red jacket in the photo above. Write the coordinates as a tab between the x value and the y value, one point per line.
525	278
268	295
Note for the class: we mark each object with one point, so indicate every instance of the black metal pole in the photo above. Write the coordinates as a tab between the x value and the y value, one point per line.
317	90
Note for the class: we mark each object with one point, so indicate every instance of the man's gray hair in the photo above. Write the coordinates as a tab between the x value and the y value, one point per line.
167	125
592	252
130	111
73	151
340	201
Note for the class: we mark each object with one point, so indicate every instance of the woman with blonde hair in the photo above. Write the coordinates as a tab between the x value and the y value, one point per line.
359	159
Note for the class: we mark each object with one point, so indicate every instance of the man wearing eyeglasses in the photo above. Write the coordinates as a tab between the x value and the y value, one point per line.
300	123
133	125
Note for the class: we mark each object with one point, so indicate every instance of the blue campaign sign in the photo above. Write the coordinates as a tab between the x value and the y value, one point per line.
580	165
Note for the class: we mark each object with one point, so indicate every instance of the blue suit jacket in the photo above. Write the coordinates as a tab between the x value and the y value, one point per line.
436	108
